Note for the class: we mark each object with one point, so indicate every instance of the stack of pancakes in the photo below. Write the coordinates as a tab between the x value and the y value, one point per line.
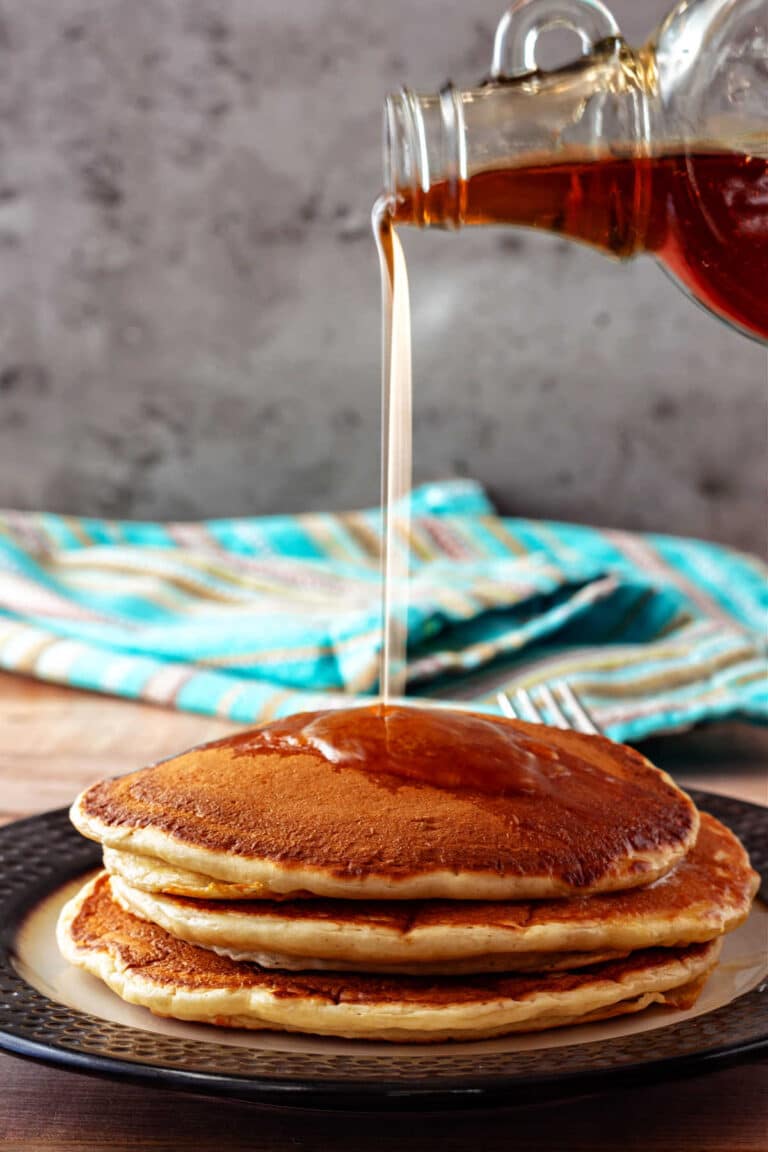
403	874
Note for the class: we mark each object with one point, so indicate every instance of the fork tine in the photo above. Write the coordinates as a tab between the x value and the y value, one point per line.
525	709
582	718
505	704
562	703
559	718
523	704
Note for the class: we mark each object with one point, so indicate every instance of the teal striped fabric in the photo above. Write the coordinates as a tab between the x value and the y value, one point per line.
255	618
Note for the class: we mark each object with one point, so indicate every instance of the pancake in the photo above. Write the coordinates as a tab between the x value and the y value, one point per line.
511	962
707	894
402	803
206	925
145	965
153	875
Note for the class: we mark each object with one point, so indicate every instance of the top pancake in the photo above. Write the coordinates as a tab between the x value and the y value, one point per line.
402	803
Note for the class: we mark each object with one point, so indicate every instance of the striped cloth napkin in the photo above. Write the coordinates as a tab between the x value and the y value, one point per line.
255	618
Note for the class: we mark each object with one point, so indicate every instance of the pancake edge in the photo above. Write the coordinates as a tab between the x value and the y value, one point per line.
474	963
372	944
282	879
258	1009
150	874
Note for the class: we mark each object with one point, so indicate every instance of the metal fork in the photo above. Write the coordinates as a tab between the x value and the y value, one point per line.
559	707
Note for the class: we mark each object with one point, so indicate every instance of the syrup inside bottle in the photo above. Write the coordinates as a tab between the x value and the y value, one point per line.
703	214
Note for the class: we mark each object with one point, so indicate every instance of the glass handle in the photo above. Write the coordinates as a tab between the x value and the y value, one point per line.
514	46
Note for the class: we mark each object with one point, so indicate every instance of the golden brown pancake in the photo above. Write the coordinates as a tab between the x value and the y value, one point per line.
707	894
146	966
404	803
153	875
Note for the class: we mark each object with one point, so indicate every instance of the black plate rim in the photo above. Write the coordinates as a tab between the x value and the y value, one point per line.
374	1095
422	1091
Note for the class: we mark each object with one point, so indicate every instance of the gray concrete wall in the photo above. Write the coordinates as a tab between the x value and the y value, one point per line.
189	311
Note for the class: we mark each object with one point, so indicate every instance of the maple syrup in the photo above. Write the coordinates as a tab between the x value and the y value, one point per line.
703	214
465	791
396	454
450	750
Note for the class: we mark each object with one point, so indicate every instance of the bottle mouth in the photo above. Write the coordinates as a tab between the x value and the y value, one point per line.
406	161
389	155
425	146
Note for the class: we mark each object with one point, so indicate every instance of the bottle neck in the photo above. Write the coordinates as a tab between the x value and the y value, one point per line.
437	146
425	156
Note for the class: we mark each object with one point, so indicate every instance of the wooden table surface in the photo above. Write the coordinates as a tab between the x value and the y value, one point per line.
53	741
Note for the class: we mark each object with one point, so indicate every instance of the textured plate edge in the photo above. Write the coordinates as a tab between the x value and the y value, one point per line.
373	1095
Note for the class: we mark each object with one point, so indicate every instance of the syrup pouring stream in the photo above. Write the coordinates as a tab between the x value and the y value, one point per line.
396	462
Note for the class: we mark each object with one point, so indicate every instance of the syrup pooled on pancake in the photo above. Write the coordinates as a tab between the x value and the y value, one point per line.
462	751
406	803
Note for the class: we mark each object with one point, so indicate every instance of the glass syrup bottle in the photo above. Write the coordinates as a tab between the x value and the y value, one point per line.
662	150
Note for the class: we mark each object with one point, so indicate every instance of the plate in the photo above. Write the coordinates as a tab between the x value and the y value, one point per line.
52	1012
